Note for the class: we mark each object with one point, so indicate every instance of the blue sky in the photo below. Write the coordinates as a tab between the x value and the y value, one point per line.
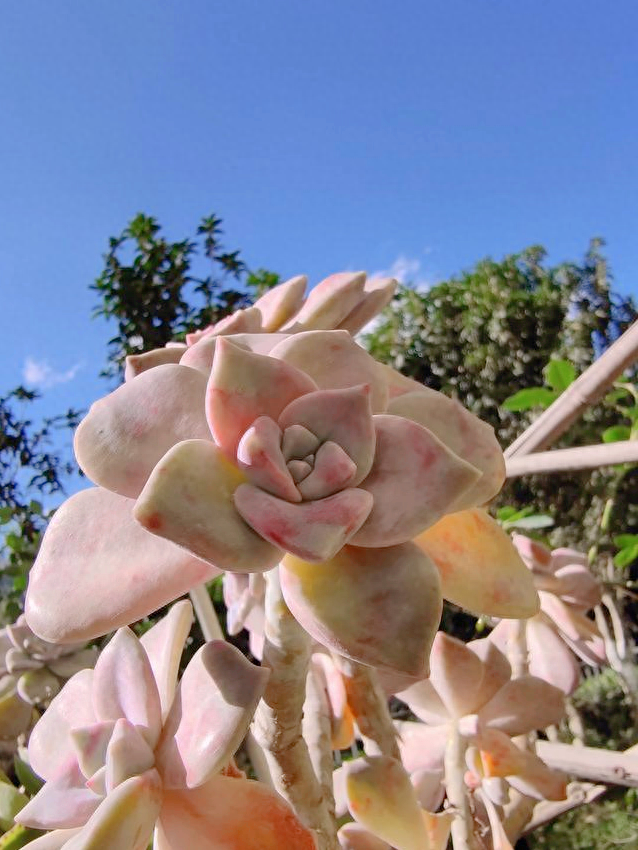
327	135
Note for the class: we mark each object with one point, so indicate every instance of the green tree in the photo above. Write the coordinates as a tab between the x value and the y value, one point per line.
150	288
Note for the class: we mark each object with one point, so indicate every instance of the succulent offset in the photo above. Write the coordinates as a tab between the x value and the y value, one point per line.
128	753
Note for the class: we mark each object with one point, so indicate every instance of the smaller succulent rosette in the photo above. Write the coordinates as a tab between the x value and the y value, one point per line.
129	754
561	634
470	686
32	671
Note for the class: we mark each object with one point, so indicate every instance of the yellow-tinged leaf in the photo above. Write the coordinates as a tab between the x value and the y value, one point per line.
479	566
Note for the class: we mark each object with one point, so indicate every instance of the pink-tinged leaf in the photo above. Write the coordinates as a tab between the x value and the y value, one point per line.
61	803
377	295
97	569
138	363
127	755
314	531
124	434
188	500
456	674
246	321
414	479
565	617
523	705
465	434
341	719
357	603
280	303
382	799
91	743
328	303
215	702
429	788
353	836
549	657
563	557
535	556
539	781
438	827
163	644
37	686
69	665
422	747
500	841
496	669
260	457
333	470
200	355
500	757
53	840
51	748
577	586
397	383
480	568
231	814
425	702
343	417
243	386
334	361
124	686
15	713
125	818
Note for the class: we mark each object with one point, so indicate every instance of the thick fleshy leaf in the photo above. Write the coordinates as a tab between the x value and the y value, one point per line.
61	803
200	355
500	757
231	814
341	719
414	479
577	586
314	531
353	836
68	665
247	320
500	841
429	788
135	364
163	644
124	434
125	819
397	383
522	705
51	748
124	686
329	302
260	457
333	470
438	827
549	657
357	603
37	686
456	674
188	500
128	754
97	569
425	702
280	303
15	713
343	417
378	293
243	386
422	747
564	557
382	799
465	434
535	555
91	743
213	707
334	361
497	670
480	568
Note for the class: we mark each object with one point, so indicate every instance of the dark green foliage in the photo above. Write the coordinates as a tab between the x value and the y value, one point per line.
29	466
149	286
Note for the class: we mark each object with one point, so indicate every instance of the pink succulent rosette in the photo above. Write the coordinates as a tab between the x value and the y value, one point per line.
259	449
470	685
127	753
562	632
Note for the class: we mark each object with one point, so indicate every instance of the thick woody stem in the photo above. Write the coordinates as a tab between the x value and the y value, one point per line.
462	823
317	733
369	705
517	649
277	723
568	460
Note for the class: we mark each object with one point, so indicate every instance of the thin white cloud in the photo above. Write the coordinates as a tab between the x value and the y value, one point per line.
40	373
409	271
